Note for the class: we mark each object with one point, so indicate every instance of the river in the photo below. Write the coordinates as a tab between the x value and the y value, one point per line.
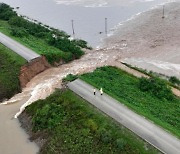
88	15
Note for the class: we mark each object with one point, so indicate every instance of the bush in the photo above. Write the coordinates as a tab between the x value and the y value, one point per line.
47	118
53	56
174	80
120	143
6	12
70	77
81	43
156	87
18	32
91	124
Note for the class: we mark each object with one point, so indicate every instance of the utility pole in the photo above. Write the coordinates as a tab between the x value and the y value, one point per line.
163	12
72	21
106	31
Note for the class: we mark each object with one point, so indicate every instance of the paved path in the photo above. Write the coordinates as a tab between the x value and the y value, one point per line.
153	134
18	48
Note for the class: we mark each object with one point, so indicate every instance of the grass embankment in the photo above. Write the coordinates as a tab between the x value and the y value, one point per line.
55	45
10	64
74	126
154	102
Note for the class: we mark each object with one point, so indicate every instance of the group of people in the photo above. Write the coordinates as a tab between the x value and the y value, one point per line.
101	91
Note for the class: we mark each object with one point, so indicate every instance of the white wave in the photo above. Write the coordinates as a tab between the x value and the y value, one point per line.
100	3
85	3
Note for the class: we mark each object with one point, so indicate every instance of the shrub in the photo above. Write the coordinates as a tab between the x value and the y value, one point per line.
91	124
70	77
81	43
53	56
48	117
120	143
18	32
156	87
6	12
174	80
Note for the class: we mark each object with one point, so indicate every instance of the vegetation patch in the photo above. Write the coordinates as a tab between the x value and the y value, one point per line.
148	97
55	45
70	77
156	87
74	126
10	64
174	80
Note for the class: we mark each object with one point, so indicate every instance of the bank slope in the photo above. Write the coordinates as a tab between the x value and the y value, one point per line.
10	65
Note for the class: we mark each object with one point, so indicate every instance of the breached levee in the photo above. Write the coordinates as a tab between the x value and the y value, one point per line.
31	69
39	87
46	82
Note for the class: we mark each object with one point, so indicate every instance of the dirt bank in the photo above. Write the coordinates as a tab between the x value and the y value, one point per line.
31	69
39	138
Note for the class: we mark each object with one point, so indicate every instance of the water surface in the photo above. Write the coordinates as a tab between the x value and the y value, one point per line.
88	15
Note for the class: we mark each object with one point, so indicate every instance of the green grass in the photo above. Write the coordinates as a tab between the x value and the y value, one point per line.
126	89
74	126
10	64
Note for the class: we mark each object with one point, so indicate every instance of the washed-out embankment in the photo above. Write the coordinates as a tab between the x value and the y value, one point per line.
31	69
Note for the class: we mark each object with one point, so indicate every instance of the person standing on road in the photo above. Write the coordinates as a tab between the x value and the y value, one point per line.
101	91
94	91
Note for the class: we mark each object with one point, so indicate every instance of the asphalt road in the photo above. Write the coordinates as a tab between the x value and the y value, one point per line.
144	128
18	48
